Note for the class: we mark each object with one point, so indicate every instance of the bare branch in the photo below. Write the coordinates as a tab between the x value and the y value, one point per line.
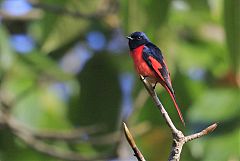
178	137
153	94
209	129
66	135
49	150
131	142
30	140
72	136
32	15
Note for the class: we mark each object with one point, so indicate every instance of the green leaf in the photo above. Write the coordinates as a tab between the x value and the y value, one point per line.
42	109
216	147
6	52
58	29
42	29
215	105
137	16
43	64
202	5
100	97
232	29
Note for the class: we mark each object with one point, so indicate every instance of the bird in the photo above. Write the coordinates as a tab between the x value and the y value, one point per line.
149	62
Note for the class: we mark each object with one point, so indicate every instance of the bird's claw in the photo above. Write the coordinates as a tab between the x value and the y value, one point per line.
154	86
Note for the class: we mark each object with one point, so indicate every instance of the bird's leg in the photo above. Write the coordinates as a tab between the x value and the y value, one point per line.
145	77
154	85
150	81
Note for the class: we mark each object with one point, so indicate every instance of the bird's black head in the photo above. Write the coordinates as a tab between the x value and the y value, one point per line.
137	39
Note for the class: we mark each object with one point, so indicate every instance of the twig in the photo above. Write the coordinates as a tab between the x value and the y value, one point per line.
76	135
50	150
202	133
137	152
178	137
179	141
30	140
32	15
153	94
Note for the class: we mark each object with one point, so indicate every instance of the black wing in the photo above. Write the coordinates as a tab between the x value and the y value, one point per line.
151	50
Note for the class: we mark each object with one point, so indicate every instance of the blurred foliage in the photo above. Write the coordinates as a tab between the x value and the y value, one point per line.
200	42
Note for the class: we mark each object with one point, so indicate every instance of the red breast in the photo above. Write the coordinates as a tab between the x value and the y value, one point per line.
140	64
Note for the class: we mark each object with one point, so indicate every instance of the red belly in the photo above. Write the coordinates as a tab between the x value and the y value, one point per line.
140	64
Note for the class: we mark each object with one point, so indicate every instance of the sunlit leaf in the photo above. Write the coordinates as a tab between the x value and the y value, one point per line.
37	114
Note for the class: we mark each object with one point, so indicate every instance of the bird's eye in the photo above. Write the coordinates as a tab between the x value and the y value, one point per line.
139	38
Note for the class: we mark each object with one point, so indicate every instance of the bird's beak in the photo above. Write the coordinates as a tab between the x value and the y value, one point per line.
129	37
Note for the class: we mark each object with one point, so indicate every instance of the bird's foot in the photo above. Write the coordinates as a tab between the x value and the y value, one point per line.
153	83
154	86
144	77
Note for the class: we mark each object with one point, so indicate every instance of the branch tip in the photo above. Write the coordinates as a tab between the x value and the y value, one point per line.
211	128
137	152
129	136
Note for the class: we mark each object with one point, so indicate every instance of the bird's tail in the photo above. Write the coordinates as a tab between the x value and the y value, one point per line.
171	92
